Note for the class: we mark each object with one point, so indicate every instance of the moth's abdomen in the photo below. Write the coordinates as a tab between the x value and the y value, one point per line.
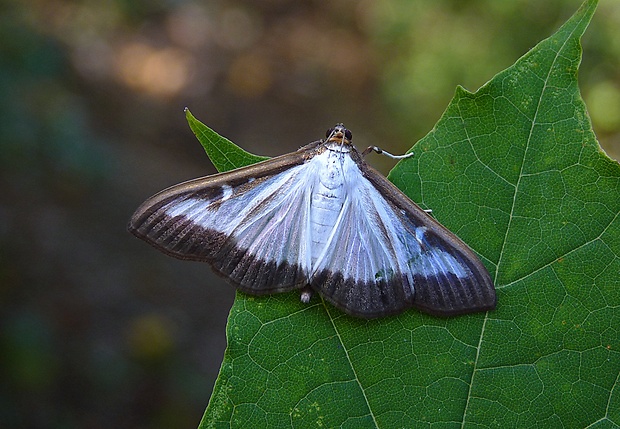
327	200
326	207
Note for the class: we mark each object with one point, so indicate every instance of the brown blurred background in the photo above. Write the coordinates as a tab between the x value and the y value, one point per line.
97	329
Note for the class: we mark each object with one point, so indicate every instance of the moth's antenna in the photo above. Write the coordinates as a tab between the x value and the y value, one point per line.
386	153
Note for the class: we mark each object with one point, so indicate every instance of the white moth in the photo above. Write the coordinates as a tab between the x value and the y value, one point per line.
319	219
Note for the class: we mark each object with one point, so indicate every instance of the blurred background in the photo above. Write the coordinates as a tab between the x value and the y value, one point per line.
97	329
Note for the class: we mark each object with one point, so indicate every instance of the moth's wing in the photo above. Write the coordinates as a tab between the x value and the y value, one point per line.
244	223
388	254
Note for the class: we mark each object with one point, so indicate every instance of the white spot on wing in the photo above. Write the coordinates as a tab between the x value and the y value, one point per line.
419	234
227	192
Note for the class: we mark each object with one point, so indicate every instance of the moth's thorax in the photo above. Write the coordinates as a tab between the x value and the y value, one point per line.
331	165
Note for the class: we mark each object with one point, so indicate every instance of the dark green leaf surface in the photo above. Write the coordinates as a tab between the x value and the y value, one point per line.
515	170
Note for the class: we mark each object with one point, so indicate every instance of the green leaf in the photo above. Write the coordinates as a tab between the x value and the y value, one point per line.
224	154
515	170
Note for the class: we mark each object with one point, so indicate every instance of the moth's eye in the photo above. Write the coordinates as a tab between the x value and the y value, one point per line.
329	132
348	135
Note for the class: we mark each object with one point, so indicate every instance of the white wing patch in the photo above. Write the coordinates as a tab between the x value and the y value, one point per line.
265	219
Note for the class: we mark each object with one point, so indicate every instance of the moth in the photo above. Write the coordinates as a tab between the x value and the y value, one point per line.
319	219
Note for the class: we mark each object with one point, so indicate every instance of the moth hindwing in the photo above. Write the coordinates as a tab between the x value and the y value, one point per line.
320	219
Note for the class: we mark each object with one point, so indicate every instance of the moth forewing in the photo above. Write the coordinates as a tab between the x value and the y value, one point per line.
147	221
453	295
193	220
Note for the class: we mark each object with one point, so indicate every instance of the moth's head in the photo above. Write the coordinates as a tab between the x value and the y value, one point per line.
339	134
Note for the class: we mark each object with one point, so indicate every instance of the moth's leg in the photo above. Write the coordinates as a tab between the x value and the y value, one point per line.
386	153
